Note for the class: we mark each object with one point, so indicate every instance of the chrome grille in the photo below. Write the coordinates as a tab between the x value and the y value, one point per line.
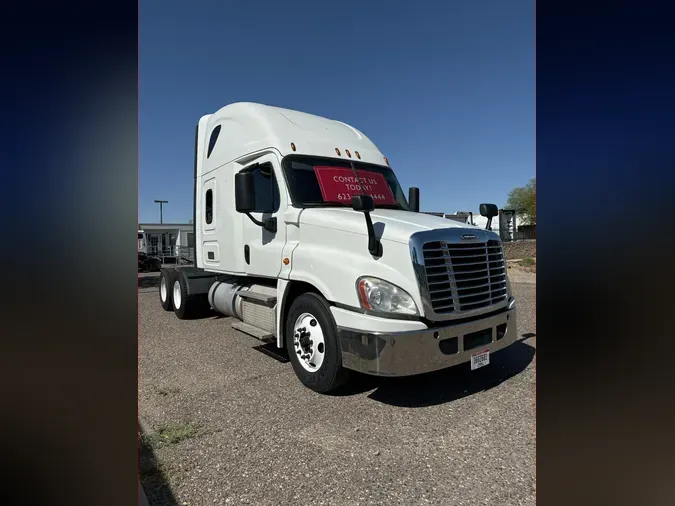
464	276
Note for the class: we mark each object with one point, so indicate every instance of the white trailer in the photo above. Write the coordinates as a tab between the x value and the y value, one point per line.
305	238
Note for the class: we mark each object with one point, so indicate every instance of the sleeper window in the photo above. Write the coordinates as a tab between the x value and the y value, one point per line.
208	214
212	140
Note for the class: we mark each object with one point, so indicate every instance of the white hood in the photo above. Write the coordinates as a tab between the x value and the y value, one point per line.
389	224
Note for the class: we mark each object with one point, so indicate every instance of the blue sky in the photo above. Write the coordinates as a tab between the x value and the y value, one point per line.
445	89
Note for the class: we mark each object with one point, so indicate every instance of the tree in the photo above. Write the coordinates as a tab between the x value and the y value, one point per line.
523	200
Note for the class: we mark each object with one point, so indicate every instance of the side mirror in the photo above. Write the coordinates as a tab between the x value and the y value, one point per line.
489	210
363	203
244	200
414	199
244	192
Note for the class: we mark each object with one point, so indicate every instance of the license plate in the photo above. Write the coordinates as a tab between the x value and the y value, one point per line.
480	359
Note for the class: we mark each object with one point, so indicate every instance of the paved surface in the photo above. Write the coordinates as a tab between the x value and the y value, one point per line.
453	437
517	276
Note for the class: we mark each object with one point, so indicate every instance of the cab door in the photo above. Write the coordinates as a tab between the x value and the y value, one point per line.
210	247
262	249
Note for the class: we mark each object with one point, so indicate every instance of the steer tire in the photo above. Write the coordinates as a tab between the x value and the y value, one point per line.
330	376
166	279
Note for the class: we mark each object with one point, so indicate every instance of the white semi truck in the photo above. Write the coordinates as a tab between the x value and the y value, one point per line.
305	238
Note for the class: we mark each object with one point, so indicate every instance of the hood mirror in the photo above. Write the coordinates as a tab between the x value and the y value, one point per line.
489	211
414	199
363	203
366	204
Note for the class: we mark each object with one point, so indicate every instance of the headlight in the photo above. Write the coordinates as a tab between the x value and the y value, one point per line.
378	295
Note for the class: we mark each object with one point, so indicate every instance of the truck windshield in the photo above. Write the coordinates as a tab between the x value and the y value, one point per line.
330	182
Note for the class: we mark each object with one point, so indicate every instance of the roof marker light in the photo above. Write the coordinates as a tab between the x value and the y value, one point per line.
292	146
357	155
385	160
337	151
348	153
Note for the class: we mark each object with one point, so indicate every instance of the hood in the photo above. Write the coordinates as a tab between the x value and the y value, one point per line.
389	224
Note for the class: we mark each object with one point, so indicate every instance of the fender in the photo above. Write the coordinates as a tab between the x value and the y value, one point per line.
282	293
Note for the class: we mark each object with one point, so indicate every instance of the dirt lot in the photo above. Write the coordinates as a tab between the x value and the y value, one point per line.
225	424
520	249
524	265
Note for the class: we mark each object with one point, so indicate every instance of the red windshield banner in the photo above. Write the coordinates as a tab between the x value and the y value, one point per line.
339	185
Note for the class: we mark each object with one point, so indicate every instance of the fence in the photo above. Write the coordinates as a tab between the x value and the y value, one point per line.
524	233
173	254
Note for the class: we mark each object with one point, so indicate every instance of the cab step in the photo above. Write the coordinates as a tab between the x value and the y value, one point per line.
256	332
265	298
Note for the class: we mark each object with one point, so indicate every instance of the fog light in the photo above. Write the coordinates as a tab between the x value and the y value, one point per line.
449	346
501	331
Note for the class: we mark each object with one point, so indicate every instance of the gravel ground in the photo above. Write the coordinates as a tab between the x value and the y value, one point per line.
252	434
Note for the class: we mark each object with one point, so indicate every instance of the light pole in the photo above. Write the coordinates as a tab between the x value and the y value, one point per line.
161	209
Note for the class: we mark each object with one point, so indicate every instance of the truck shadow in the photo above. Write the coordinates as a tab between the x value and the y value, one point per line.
148	281
154	483
449	384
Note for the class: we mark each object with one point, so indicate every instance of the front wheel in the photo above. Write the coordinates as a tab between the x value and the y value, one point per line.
312	344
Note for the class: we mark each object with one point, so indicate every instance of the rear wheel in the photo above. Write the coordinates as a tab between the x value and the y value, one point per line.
165	283
187	307
312	344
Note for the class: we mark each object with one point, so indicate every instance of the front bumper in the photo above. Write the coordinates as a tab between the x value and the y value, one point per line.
419	351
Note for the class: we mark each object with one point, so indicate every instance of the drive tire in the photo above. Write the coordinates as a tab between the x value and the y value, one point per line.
330	376
187	307
165	284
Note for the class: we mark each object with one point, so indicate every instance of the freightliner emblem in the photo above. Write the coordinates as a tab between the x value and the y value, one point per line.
468	237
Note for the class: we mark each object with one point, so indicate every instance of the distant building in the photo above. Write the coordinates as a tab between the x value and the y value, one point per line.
460	216
167	240
465	217
509	224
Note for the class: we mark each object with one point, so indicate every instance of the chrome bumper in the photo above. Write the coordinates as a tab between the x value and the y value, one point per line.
420	351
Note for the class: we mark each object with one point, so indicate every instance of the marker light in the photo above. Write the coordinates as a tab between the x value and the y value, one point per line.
348	153
292	146
337	151
357	155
